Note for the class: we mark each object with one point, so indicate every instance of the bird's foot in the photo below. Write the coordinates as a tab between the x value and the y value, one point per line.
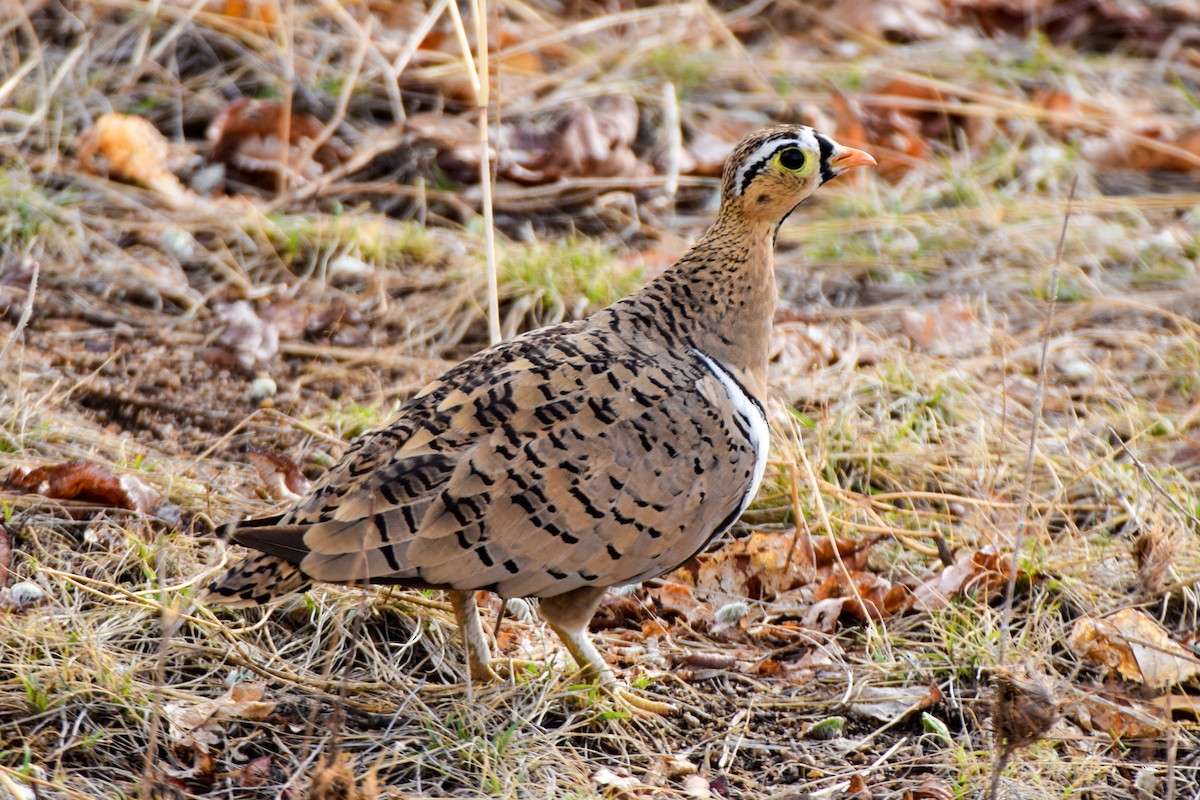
638	704
628	700
517	667
625	699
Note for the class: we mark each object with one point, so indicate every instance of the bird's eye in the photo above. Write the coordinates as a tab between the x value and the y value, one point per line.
792	159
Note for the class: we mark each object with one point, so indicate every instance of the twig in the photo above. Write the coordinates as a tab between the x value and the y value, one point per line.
26	312
674	136
1158	487
348	85
1027	488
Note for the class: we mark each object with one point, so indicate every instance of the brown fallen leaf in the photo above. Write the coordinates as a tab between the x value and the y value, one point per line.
1135	647
1118	715
764	565
585	141
863	595
982	574
133	150
280	476
333	779
249	135
858	789
889	703
85	483
707	148
1180	150
251	340
951	330
196	723
1185	703
256	773
680	600
1091	24
933	787
582	140
257	13
895	140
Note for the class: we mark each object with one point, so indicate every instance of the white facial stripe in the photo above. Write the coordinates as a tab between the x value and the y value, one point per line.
805	139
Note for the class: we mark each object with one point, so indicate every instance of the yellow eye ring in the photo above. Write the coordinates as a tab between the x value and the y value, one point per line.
793	159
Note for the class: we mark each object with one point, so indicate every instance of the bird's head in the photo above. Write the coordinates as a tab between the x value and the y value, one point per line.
775	169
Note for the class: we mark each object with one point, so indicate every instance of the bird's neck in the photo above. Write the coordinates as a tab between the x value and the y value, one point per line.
722	295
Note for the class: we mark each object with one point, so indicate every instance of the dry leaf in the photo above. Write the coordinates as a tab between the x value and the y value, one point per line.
675	598
616	786
196	723
252	340
982	575
893	20
1186	703
933	787
1091	24
894	140
708	147
248	135
333	779
256	12
863	595
1180	151
951	330
758	566
1135	646
256	773
1119	716
695	786
581	141
889	703
86	483
858	788
134	151
584	142
281	477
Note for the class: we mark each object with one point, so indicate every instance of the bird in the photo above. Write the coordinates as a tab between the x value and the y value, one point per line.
573	458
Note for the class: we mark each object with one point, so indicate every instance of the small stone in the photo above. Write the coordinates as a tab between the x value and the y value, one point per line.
732	613
263	387
26	593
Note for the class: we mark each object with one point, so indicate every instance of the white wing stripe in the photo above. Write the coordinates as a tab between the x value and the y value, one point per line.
750	411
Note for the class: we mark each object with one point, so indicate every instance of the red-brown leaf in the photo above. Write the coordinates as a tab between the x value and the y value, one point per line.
85	483
281	477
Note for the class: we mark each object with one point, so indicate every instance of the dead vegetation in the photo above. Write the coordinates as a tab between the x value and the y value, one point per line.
236	234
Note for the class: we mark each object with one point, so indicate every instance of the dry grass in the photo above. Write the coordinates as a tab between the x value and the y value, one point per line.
896	438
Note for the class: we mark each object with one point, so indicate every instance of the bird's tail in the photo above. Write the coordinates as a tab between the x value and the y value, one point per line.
256	579
262	576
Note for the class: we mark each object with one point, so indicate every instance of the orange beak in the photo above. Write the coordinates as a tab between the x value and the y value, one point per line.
849	157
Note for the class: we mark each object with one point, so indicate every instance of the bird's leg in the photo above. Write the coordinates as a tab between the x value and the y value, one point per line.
568	616
474	639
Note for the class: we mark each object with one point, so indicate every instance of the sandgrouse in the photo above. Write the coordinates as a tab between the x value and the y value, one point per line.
572	458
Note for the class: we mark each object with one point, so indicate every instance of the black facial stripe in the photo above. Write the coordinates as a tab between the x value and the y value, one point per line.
757	166
827	173
754	170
